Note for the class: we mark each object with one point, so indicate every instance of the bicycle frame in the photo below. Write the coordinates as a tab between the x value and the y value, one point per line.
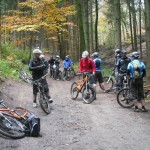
13	112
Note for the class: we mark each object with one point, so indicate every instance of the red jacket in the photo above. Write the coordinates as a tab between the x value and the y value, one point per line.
87	65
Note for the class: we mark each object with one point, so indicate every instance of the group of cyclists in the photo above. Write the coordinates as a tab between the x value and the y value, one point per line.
122	64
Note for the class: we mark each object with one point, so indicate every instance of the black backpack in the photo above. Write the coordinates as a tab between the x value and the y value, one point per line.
34	125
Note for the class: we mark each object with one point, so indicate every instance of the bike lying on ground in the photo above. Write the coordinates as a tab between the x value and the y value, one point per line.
24	76
43	99
18	122
83	86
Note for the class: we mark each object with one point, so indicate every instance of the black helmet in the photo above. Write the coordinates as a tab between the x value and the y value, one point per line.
95	54
135	54
117	51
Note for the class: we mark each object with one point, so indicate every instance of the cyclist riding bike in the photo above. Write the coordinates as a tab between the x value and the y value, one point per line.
39	67
66	63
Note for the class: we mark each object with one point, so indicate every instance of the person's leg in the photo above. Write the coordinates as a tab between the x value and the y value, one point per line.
46	90
35	90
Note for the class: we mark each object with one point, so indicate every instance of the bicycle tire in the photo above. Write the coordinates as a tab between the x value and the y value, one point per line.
74	91
68	73
124	99
11	128
60	75
88	96
107	84
44	103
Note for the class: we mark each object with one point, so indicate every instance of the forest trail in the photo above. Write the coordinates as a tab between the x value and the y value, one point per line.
73	125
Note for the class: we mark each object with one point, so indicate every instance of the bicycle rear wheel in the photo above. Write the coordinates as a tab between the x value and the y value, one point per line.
44	103
74	91
108	83
124	98
88	94
11	128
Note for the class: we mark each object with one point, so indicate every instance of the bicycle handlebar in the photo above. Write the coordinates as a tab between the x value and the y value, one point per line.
38	80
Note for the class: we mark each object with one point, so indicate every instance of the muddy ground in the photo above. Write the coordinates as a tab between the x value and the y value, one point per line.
73	125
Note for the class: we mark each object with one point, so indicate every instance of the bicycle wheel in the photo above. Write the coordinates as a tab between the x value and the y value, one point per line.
124	98
68	75
88	94
60	75
11	128
44	103
74	91
108	83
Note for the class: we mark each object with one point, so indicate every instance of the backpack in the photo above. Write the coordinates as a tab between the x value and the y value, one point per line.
97	63
34	125
137	67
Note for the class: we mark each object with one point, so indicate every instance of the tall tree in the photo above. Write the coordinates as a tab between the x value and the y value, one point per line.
117	22
96	25
147	26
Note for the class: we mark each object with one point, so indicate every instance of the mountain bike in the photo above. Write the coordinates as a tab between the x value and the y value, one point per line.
108	82
43	99
124	97
83	86
56	73
24	76
14	123
68	74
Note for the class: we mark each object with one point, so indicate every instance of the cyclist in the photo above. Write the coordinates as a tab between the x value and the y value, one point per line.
51	63
57	63
87	65
98	73
117	57
39	68
136	71
121	68
66	63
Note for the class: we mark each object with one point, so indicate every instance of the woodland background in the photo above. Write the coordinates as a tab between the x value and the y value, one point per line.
71	26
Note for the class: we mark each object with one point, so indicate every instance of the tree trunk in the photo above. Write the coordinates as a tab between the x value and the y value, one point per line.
147	26
96	25
117	24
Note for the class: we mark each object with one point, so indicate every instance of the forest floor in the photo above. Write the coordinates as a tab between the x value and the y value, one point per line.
73	125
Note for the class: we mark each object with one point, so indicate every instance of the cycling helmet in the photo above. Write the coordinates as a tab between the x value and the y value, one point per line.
37	51
95	54
41	56
135	55
85	54
124	51
117	51
57	56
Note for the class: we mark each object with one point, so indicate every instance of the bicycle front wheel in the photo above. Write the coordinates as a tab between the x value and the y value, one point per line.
74	91
108	83
124	98
44	103
89	94
11	128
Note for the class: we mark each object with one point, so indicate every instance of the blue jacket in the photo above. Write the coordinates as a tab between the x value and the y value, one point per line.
67	63
98	68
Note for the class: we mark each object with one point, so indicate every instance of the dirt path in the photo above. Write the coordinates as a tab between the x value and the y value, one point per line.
73	125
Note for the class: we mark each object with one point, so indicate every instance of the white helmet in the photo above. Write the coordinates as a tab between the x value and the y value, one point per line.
41	56
57	56
85	54
37	51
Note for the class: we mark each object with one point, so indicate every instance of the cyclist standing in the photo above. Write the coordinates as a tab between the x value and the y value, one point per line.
57	63
121	67
39	67
51	63
98	73
136	71
66	63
